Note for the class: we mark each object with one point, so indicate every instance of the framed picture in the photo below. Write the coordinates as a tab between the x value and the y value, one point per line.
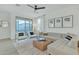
68	21
51	23
4	23
58	22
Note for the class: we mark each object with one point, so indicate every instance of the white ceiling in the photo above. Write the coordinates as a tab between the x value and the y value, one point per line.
24	9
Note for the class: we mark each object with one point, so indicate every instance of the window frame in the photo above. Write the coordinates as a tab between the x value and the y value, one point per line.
25	19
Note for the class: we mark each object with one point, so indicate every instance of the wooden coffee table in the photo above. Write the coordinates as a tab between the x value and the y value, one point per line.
42	45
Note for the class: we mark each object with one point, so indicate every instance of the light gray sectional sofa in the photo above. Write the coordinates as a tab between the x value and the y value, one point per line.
62	46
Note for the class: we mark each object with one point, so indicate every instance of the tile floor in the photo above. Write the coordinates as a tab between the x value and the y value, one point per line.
7	47
22	47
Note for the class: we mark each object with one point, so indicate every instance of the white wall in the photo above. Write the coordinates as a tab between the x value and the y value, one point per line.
5	32
74	10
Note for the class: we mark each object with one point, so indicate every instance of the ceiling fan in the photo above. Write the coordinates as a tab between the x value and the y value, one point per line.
35	7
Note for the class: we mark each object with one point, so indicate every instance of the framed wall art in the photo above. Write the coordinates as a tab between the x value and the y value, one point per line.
68	21
4	23
51	23
58	22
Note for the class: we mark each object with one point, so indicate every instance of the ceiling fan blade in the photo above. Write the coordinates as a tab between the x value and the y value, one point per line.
35	6
41	8
30	6
18	5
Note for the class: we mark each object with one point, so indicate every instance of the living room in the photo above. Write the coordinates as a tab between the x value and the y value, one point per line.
24	24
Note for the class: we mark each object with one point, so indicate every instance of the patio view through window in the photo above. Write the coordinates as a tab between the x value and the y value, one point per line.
23	24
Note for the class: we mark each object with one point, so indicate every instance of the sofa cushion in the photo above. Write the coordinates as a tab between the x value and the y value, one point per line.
58	43
73	42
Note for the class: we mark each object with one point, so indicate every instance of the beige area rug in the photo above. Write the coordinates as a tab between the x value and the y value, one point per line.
25	47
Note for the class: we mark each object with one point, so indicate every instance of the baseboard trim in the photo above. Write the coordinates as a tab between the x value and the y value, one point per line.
5	38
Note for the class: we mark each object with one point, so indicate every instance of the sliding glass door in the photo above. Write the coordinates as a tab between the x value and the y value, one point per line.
23	25
27	24
20	25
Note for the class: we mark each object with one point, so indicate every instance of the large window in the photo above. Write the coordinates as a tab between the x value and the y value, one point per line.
23	24
40	25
